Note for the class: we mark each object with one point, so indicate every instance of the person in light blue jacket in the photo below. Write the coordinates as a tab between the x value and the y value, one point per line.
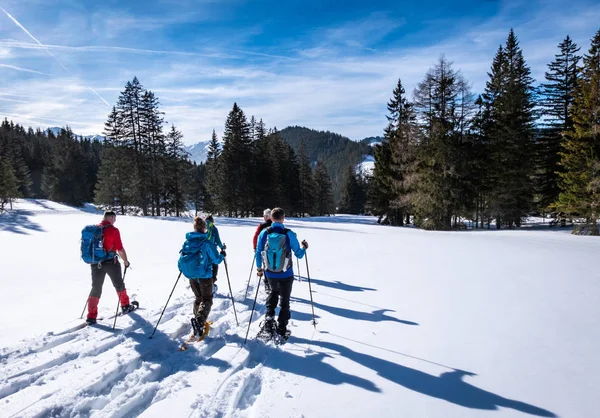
274	260
213	236
198	255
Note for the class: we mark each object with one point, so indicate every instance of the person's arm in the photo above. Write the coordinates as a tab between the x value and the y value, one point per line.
123	256
213	254
256	234
295	245
218	238
260	245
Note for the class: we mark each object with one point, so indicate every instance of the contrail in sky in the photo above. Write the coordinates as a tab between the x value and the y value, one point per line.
50	53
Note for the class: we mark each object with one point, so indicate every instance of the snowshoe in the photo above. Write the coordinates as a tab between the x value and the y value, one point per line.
280	336
198	333
129	308
267	330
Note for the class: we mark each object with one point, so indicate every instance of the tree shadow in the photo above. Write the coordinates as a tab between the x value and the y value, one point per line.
337	285
448	386
378	315
19	222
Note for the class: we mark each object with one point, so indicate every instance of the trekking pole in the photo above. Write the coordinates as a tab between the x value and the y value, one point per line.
253	305
119	298
85	306
249	277
312	305
232	300
165	308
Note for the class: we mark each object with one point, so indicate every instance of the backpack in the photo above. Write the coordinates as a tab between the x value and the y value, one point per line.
92	245
194	261
277	255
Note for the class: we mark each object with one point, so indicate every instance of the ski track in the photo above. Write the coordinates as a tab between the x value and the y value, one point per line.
126	373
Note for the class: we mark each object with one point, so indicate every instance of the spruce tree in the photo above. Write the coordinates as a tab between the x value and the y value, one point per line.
306	183
214	181
581	148
9	185
352	198
324	203
557	93
510	131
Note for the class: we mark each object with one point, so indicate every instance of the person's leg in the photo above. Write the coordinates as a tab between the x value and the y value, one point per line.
114	272
272	298
285	291
196	289
207	301
98	275
215	270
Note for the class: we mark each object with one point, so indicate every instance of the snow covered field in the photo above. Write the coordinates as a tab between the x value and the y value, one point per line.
410	324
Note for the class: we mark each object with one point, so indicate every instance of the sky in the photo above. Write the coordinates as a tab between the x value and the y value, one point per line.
321	64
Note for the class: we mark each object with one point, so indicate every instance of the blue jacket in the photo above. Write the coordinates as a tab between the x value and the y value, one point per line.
213	234
197	257
292	243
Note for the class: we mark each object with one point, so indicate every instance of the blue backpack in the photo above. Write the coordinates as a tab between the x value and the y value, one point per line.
92	245
194	261
277	255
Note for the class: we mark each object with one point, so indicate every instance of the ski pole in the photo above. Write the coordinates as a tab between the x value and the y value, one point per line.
85	306
312	305
166	304
119	298
253	305
249	277
232	300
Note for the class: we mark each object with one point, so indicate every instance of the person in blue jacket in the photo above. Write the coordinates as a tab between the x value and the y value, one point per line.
198	255
274	260
213	236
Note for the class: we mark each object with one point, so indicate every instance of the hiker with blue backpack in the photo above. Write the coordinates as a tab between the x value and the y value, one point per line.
198	256
274	260
213	236
101	247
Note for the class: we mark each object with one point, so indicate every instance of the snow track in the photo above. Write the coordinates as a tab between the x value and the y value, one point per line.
98	371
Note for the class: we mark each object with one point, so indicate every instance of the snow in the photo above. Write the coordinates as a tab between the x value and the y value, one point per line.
198	152
367	165
409	323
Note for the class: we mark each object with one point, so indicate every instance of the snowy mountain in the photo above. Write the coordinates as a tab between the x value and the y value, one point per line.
410	323
198	152
56	131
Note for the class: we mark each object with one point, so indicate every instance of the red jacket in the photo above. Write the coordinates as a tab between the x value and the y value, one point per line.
112	237
259	228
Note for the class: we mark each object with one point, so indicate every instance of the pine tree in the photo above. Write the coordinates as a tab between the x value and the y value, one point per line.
197	188
307	186
176	173
236	163
324	203
510	133
558	98
436	181
117	178
581	148
352	198
9	185
214	181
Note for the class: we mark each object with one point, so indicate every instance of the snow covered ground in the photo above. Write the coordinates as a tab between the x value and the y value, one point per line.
410	324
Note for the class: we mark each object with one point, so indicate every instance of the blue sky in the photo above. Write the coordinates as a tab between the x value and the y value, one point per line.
324	65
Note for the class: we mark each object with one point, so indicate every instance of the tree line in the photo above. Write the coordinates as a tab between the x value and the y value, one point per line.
515	150
142	166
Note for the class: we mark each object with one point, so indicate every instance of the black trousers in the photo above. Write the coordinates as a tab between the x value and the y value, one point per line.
215	271
281	289
204	298
113	269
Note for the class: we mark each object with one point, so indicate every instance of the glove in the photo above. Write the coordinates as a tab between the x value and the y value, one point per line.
259	272
304	244
223	253
127	264
224	247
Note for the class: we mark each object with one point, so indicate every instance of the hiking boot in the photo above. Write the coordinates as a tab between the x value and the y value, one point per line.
197	327
281	335
91	321
125	309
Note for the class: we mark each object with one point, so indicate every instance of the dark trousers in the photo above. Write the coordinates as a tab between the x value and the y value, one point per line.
204	298
113	269
281	289
215	271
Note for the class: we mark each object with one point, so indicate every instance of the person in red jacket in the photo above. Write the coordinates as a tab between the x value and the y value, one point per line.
112	243
267	223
